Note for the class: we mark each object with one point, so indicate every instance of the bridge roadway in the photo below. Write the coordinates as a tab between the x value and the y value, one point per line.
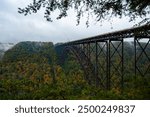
97	56
142	31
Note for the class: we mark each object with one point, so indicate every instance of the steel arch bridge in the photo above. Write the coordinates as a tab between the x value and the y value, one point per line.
102	57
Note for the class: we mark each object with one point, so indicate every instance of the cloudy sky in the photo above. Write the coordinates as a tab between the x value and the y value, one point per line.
16	27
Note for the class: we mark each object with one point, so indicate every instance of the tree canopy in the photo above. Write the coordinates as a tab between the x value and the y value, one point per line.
99	9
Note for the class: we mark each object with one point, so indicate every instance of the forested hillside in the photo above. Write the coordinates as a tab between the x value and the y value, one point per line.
32	70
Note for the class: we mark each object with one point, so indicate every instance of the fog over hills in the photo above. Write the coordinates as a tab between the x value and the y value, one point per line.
4	47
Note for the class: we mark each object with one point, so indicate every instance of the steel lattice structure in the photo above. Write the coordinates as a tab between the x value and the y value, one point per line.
103	56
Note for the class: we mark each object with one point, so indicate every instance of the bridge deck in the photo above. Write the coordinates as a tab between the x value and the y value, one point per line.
142	31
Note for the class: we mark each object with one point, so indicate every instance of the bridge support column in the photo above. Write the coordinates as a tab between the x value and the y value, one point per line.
96	63
116	64
101	63
142	57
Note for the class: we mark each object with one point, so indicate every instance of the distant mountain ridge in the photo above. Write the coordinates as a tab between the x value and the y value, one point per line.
29	50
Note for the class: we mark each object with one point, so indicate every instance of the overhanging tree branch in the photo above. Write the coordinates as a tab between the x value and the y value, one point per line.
102	9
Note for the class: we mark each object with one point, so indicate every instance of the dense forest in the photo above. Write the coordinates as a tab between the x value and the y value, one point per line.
32	70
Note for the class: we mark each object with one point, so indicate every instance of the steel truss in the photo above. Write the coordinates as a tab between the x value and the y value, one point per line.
142	56
102	56
101	62
116	63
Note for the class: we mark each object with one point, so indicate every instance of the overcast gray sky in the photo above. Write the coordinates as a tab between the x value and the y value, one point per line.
15	27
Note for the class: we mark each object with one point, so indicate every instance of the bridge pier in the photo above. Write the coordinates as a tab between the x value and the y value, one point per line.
101	63
141	51
116	63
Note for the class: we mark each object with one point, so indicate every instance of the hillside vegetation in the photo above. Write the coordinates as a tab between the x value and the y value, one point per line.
32	70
